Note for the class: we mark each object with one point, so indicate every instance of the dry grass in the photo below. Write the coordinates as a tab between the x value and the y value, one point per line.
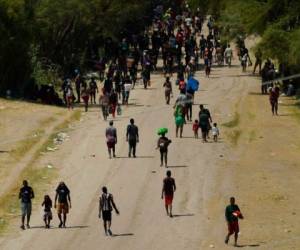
234	122
39	177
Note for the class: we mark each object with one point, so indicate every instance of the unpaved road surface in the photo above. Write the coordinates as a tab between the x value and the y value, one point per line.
256	167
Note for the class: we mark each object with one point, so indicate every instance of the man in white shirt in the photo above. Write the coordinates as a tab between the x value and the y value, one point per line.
228	55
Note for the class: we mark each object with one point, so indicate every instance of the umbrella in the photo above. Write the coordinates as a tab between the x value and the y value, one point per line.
162	131
193	84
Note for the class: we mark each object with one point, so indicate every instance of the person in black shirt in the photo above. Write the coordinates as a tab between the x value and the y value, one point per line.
132	136
232	215
64	203
169	187
25	195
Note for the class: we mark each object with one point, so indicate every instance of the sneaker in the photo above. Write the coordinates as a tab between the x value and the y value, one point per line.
60	225
109	232
22	227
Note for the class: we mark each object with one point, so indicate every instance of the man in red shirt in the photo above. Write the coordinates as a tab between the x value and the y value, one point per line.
169	187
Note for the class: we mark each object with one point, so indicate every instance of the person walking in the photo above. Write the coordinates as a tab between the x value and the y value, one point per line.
196	128
93	90
274	96
47	204
106	205
64	203
113	102
104	104
111	139
169	187
85	95
258	61
232	215
228	54
204	122
168	90
163	144
132	137
26	194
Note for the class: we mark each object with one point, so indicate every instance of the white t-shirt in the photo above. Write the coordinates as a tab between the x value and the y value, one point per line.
228	52
215	131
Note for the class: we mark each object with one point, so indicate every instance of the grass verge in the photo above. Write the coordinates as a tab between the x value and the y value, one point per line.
234	122
39	177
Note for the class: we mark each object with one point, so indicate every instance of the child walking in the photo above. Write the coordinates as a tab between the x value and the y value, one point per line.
47	204
215	132
196	128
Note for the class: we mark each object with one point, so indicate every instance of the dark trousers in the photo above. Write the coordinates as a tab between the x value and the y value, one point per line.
132	147
164	156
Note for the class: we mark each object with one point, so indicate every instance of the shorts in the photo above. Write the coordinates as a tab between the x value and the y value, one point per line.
168	199
111	144
233	227
106	215
48	215
62	208
179	121
26	208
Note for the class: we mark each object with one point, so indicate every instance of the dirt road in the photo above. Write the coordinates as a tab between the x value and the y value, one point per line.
206	175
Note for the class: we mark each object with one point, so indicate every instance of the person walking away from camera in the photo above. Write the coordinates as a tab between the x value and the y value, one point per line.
26	194
163	144
274	96
104	104
111	139
132	137
215	132
204	110
196	128
168	90
258	61
93	90
106	206
64	203
232	215
47	204
168	189
113	102
179	115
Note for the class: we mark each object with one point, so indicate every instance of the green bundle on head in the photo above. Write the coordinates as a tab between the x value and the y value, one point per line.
162	131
